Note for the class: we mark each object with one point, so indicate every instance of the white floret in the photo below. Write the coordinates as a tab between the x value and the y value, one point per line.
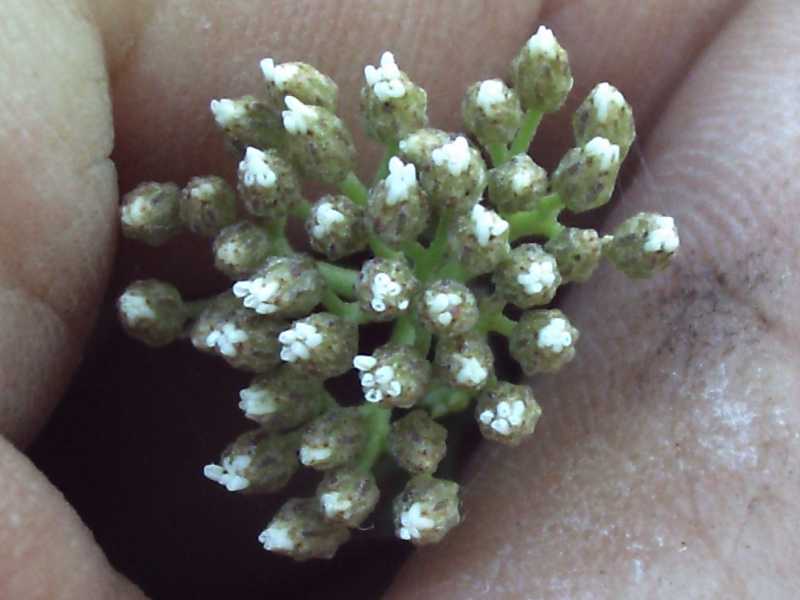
386	81
204	190
413	522
386	292
310	455
256	401
229	473
441	306
487	224
255	170
335	504
543	42
605	97
298	117
136	212
454	155
228	112
298	342
541	275
471	372
400	181
521	181
258	294
491	93
135	308
280	75
664	238
277	537
376	381
506	417
225	337
606	153
230	251
555	335
326	218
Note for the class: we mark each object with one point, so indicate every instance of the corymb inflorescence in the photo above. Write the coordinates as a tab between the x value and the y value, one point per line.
455	244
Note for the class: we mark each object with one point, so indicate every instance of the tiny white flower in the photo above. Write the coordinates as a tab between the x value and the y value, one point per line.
664	238
414	522
255	170
298	117
228	112
454	155
543	42
298	341
326	217
505	417
491	93
471	372
135	308
604	96
606	153
402	179
280	75
377	382
225	337
541	274
385	81
487	224
277	537
229	473
258	294
555	335
386	292
441	306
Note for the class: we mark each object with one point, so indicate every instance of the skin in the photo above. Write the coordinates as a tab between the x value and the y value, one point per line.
664	464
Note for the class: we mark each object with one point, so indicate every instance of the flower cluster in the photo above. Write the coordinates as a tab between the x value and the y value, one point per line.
459	242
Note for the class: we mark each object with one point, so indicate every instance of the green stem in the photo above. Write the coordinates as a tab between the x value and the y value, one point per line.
347	310
442	400
380	249
301	209
502	324
542	220
433	255
498	153
452	269
352	187
195	307
526	133
377	420
276	230
404	331
340	280
383	169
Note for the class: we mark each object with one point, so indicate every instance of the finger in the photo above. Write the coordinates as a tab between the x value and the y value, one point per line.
664	462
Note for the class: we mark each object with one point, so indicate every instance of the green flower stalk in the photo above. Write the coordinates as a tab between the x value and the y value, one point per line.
421	259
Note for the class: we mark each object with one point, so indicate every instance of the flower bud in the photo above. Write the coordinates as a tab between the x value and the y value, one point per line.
282	400
322	345
480	240
386	288
605	113
491	112
449	308
507	413
256	462
466	362
318	141
267	183
240	249
449	169
586	176
418	443
392	105
395	375
347	496
333	439
517	184
300	80
541	73
336	227
152	311
426	510
248	121
529	278
577	252
150	213
398	211
285	286
543	341
643	245
299	531
207	204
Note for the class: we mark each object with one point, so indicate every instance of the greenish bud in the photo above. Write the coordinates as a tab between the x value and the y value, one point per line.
395	375
450	170
347	496
207	205
240	249
448	308
267	184
248	121
300	80
507	413
333	439
586	176
605	113
517	185
285	286
426	510
541	73
417	442
529	278
392	105
282	400
150	213
491	112
152	311
300	531
336	227
322	345
386	288
256	462
543	341
398	211
577	252
642	245
318	141
480	240
466	362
